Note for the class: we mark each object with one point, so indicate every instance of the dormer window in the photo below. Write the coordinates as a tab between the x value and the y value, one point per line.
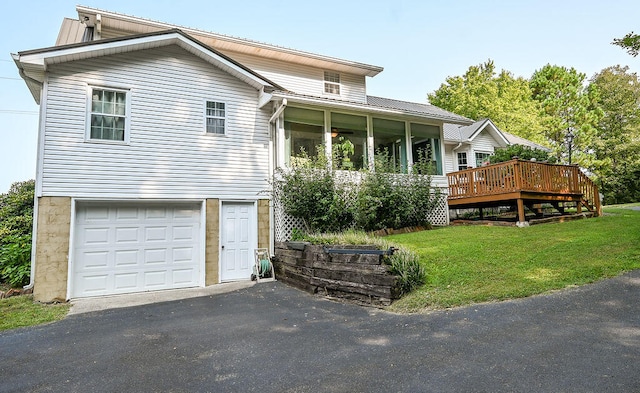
331	82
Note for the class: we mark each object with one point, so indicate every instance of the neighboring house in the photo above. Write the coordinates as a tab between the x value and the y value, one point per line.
156	145
469	146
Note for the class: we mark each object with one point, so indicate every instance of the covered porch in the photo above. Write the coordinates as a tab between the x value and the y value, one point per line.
523	184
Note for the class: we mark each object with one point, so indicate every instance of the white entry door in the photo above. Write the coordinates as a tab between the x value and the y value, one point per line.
239	240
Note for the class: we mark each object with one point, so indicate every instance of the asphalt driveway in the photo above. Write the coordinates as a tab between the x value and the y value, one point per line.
272	338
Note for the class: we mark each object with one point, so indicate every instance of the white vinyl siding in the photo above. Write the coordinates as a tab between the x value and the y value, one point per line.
303	79
483	143
169	155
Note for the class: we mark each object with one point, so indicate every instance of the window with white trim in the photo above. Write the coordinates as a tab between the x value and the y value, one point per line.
108	115
462	161
481	159
331	82
216	116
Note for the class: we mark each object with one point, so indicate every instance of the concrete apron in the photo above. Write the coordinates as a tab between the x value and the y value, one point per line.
84	305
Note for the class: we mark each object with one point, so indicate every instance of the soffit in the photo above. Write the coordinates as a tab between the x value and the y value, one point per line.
113	24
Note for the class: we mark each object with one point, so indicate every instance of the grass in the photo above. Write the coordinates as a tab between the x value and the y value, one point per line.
21	311
471	264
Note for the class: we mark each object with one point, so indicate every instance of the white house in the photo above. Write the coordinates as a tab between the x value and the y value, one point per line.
469	146
156	144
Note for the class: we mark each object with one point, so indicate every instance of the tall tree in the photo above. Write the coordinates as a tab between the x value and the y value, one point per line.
617	143
569	110
630	42
481	92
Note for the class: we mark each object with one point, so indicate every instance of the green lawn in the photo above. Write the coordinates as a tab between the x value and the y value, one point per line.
470	264
20	311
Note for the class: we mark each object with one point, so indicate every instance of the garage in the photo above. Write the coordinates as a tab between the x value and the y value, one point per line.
134	247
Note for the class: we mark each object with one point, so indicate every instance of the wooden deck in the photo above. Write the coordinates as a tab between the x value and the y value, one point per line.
523	183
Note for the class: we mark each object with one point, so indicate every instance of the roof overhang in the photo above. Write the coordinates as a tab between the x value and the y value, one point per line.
133	25
33	64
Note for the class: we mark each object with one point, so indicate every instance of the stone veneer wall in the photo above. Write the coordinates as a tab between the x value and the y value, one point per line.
362	278
264	217
212	246
52	249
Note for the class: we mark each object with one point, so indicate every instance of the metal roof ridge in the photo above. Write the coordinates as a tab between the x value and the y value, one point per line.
247	41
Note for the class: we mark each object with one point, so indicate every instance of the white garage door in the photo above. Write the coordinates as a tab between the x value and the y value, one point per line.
124	248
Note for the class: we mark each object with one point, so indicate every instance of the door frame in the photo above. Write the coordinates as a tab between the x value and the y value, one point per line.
253	231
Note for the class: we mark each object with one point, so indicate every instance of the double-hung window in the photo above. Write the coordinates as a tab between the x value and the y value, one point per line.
462	161
108	114
216	115
481	159
331	82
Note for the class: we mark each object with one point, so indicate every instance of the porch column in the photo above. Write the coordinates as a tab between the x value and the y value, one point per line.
408	145
280	141
371	149
328	142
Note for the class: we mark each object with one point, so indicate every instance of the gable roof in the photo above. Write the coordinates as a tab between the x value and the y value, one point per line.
33	63
467	133
126	24
455	133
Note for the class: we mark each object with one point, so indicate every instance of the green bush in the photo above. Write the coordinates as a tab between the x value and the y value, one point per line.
15	260
311	192
406	266
16	218
333	201
522	152
387	199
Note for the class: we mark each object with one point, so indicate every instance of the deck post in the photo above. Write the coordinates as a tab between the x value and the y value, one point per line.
521	216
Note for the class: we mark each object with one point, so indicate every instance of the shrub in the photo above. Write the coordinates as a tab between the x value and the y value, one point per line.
406	266
522	152
332	201
311	192
16	217
15	260
387	199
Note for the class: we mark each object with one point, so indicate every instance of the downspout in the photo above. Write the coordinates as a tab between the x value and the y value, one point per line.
34	227
278	111
274	133
34	231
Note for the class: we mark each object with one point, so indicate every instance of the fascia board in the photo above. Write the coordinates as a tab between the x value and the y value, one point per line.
54	55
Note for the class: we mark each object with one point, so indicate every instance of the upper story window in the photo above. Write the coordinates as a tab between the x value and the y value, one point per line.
462	161
108	115
331	82
216	115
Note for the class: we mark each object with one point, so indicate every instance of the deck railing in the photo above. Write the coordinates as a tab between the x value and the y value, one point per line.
523	176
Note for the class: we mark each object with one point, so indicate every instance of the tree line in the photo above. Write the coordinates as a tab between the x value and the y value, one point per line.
594	123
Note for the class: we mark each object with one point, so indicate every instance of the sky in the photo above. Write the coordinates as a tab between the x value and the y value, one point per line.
419	43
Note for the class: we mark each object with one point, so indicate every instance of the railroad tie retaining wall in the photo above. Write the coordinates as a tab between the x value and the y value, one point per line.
352	276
